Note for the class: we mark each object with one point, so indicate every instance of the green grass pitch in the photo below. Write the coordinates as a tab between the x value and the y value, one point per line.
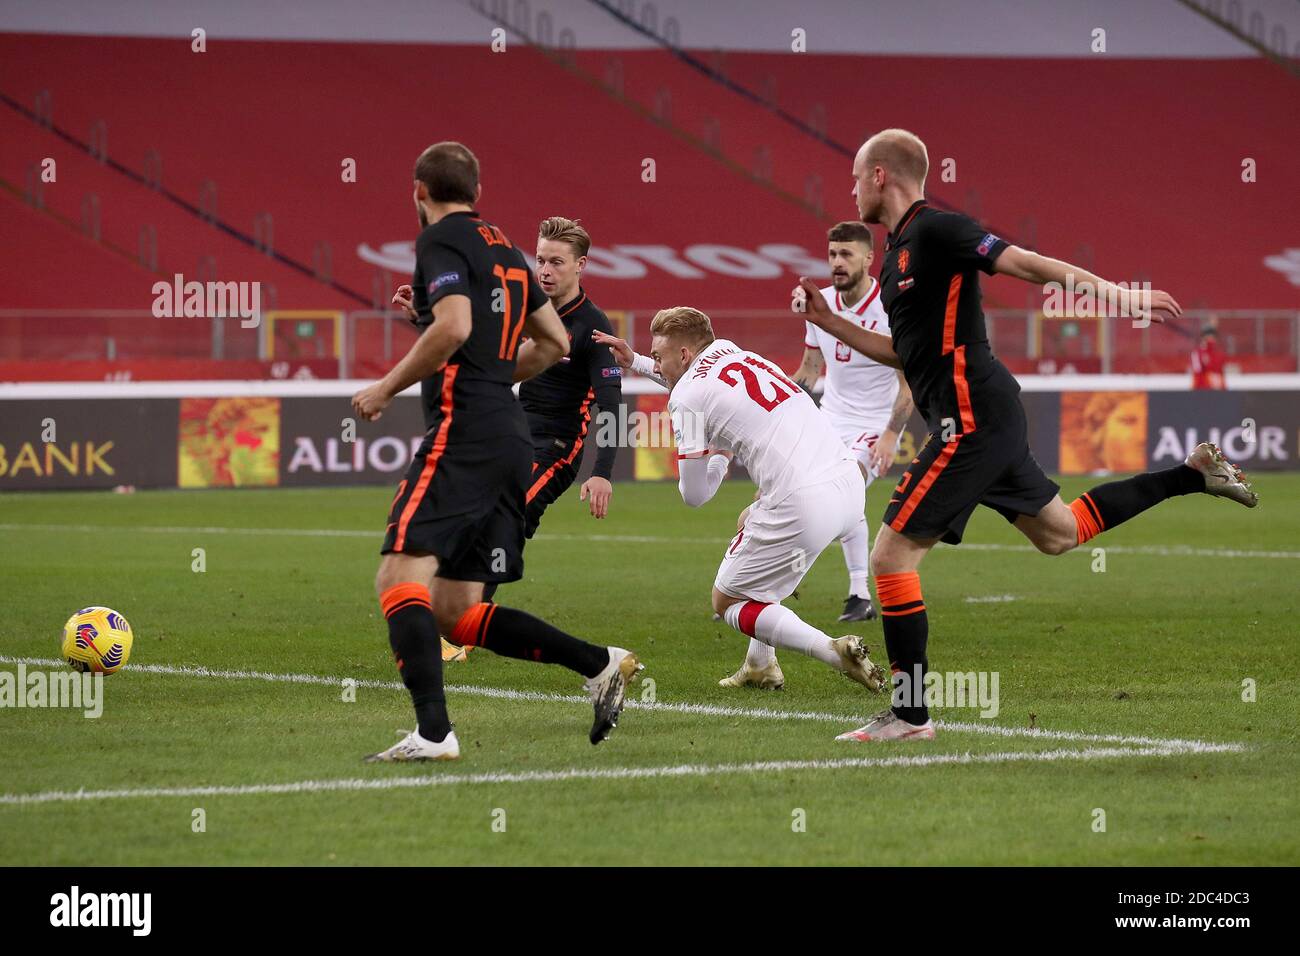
1197	596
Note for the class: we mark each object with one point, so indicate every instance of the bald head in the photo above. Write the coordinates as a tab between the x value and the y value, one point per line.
889	175
899	153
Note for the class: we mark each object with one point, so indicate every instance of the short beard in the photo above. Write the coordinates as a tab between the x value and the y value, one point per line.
848	282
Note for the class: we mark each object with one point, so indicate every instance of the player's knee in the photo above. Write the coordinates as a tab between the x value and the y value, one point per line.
384	577
448	609
882	562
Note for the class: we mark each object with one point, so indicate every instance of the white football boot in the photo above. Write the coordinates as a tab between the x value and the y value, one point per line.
886	726
1222	478
857	665
608	688
414	747
764	678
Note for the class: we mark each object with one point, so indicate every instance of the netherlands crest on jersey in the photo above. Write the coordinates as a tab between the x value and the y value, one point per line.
903	260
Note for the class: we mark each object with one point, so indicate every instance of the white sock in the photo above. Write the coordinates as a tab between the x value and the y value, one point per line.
857	547
760	656
780	627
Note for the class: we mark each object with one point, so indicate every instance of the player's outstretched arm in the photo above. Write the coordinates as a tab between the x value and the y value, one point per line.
1040	270
622	352
451	326
626	358
547	343
877	347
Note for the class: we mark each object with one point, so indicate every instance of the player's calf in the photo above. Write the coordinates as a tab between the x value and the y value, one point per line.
1055	529
510	632
413	636
1059	528
779	626
760	668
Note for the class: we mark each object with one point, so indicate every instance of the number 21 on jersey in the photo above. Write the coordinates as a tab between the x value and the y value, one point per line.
753	387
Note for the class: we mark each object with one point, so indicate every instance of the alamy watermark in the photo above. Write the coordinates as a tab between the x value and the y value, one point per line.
38	688
197	300
659	429
130	910
948	689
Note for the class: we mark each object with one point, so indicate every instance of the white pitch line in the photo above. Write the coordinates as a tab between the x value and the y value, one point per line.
583	773
156	529
334	533
1158	550
706	710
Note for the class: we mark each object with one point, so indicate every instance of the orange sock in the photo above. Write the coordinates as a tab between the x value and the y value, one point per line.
1087	518
906	629
413	636
404	595
471	629
899	593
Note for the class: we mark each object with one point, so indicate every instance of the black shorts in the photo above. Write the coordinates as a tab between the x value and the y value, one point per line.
990	466
555	466
465	505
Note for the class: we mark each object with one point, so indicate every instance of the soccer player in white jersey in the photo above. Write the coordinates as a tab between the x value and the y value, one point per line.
725	401
867	403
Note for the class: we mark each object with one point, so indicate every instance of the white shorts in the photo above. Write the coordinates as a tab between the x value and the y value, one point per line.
860	437
768	558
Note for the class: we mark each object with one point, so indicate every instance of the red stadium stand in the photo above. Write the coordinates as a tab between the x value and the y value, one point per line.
573	138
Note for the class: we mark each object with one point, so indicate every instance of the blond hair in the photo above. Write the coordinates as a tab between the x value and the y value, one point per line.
566	230
682	322
901	153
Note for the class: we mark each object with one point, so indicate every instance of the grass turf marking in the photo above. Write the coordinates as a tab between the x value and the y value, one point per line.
583	773
706	710
1158	550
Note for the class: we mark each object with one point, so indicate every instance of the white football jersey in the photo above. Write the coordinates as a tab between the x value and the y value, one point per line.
857	390
738	401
